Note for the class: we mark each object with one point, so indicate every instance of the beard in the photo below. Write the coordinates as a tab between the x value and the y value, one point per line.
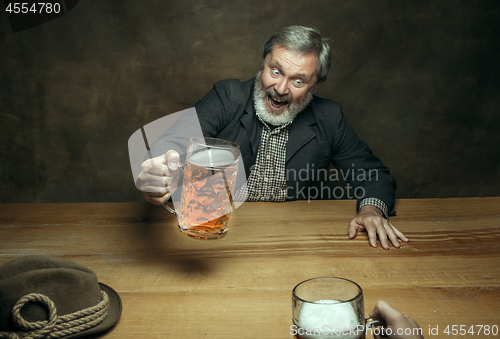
260	96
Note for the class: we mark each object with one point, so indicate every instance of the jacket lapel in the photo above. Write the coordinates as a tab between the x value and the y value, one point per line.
300	133
251	124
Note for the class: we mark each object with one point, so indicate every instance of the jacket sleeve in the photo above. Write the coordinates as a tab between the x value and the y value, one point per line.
358	166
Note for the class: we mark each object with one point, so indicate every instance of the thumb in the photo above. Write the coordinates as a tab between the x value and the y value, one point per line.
375	313
383	310
172	160
352	229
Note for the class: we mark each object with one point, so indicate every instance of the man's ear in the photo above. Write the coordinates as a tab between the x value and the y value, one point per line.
317	86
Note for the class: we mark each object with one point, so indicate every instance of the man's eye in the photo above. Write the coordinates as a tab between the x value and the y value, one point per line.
275	72
299	82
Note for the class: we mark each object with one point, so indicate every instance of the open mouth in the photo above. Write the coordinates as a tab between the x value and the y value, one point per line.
276	104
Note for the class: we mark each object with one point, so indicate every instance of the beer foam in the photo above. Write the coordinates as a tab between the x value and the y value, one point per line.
212	158
331	319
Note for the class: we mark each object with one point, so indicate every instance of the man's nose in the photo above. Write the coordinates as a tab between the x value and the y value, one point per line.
281	86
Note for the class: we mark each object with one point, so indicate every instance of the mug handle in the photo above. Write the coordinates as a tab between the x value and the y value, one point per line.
170	207
371	323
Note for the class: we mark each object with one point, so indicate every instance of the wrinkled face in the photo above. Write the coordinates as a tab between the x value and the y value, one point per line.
285	85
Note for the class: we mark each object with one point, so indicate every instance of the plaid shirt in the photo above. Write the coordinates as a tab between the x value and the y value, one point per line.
267	180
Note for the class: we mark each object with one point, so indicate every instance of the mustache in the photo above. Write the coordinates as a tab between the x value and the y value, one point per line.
272	92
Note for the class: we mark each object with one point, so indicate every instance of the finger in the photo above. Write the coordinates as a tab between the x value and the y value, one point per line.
383	310
382	234
149	198
153	166
391	234
156	183
155	189
152	178
160	200
158	193
372	234
375	313
352	229
173	187
399	234
170	180
157	200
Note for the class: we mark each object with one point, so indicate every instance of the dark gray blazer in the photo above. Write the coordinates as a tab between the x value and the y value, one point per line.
318	136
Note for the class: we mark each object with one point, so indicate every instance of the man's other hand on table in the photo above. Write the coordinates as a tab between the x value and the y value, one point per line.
371	220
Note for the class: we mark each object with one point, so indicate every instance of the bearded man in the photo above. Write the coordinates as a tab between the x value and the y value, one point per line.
283	129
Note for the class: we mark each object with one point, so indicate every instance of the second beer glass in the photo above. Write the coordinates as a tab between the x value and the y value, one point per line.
329	308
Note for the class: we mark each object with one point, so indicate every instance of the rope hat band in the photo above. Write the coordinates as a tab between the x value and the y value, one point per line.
56	326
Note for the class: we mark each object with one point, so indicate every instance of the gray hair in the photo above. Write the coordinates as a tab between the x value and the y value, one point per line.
303	40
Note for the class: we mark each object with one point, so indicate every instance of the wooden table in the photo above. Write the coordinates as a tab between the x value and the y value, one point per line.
240	286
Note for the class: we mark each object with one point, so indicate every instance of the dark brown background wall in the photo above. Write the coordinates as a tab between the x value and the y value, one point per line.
418	80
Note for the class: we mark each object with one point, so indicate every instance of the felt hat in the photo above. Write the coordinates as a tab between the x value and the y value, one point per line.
42	295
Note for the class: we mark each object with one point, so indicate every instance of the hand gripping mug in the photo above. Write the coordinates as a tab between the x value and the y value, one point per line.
209	179
329	308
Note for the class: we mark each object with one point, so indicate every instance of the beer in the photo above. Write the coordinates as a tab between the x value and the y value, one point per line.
328	319
206	202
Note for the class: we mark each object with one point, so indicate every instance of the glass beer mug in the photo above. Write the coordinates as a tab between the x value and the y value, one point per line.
329	308
209	179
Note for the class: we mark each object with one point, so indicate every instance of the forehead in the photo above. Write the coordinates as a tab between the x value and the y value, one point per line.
292	62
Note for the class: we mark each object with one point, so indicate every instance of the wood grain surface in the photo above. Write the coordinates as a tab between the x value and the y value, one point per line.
240	286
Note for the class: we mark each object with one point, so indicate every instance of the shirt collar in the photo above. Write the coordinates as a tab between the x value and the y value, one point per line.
276	129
